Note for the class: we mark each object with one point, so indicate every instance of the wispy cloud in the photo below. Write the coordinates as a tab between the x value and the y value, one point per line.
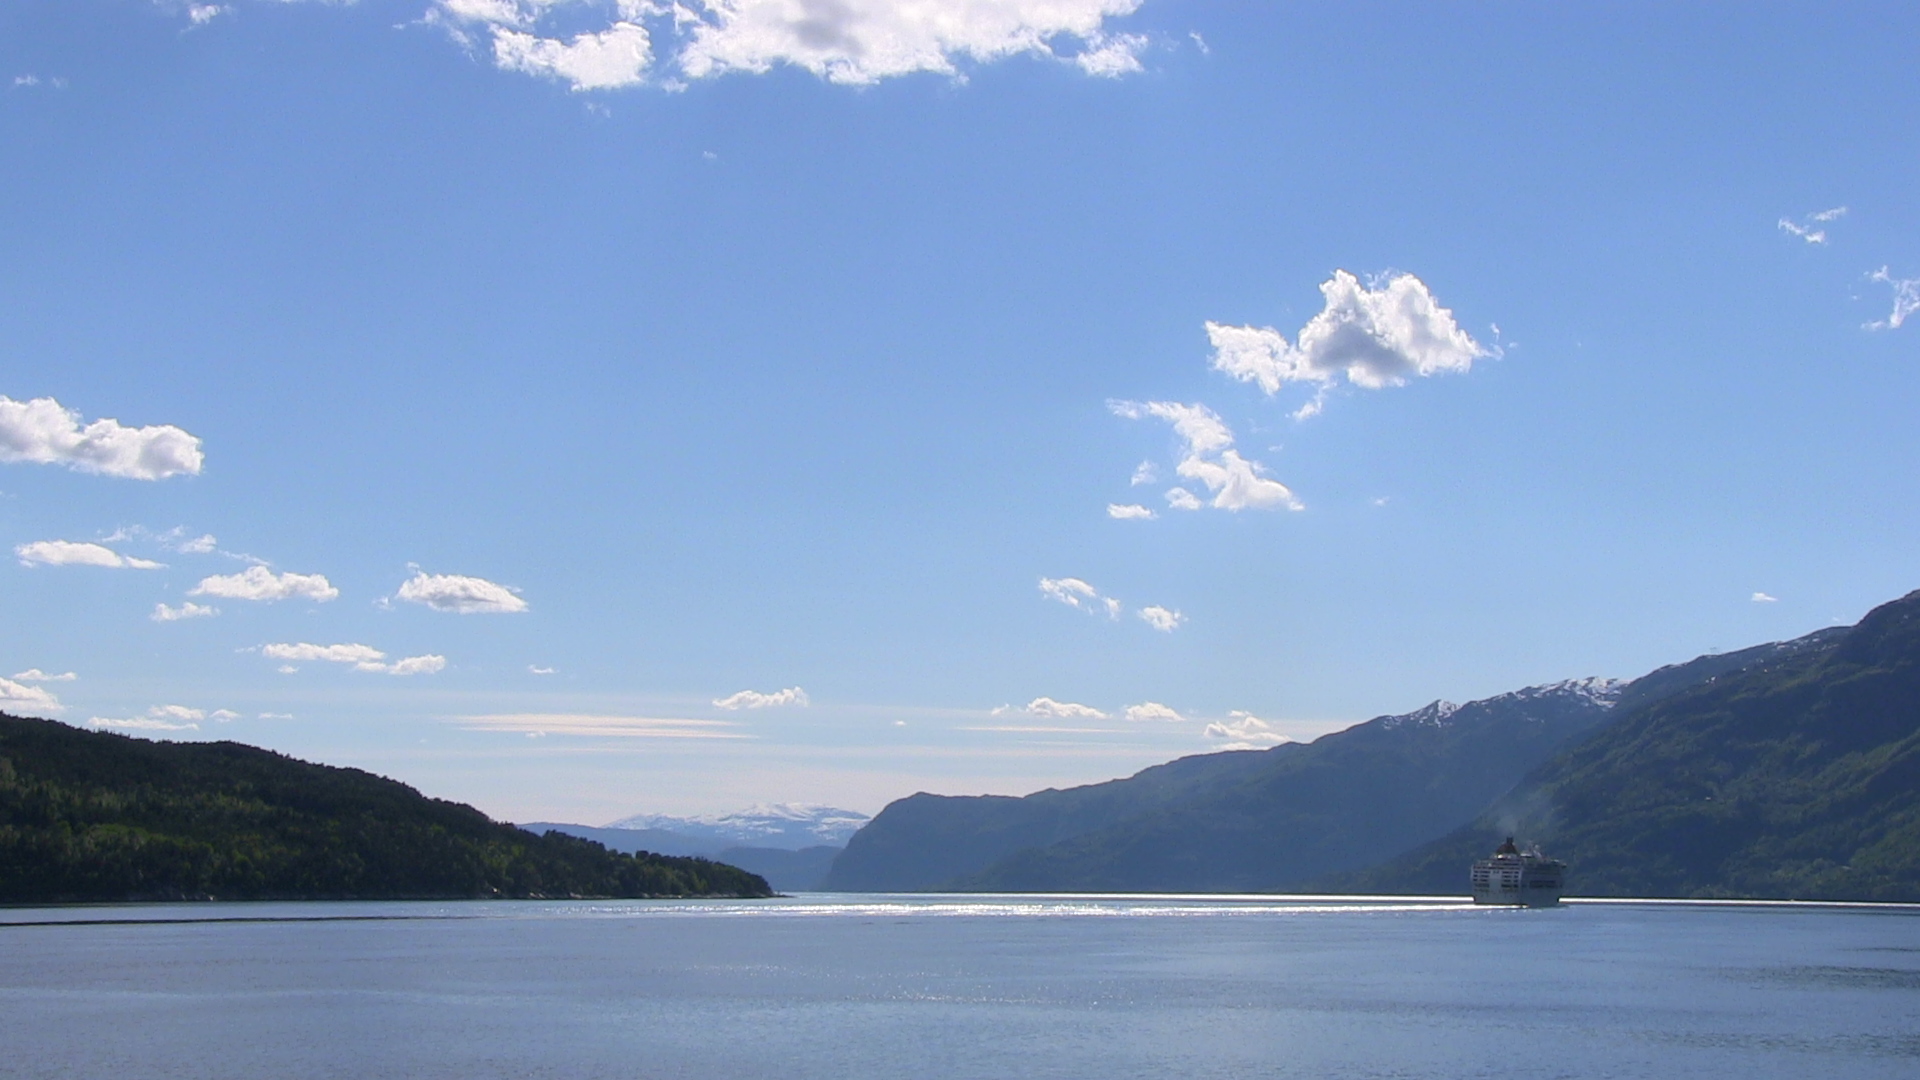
1370	336
754	699
43	432
362	657
1152	711
18	695
1209	457
161	718
460	594
188	610
261	584
79	553
1162	619
1906	299
1048	709
1245	731
857	42
1808	228
36	675
202	14
1130	512
1076	593
536	669
1763	598
619	727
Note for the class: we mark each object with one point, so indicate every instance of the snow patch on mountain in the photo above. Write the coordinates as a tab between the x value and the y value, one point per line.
773	825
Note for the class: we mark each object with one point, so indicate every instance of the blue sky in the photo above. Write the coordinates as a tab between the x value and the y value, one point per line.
815	345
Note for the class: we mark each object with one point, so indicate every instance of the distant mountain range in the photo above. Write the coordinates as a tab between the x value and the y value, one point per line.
790	844
1786	769
96	816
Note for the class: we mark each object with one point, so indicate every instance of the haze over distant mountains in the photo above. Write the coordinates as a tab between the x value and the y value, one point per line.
1790	769
789	844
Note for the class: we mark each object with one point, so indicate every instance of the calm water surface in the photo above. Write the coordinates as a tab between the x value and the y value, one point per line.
852	987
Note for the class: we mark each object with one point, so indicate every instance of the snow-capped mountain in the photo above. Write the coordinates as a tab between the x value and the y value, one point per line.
778	825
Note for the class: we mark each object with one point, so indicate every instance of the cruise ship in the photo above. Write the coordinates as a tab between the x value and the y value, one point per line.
1518	878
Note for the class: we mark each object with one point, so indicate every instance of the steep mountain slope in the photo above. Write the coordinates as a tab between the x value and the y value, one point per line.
926	841
93	816
1796	777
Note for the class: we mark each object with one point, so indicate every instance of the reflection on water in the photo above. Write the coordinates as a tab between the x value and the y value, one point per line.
823	986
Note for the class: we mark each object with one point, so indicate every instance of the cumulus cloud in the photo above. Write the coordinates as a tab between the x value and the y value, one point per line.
1809	228
362	657
1078	594
260	583
1906	299
36	675
1144	473
754	699
78	553
202	14
1372	336
615	57
18	695
1161	619
1151	711
1130	512
162	718
188	610
1209	457
43	432
460	594
855	42
1048	709
1245	731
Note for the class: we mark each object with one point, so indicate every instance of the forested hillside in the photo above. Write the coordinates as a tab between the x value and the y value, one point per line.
94	816
1796	778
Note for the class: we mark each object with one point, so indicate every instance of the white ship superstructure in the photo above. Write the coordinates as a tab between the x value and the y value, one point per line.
1518	878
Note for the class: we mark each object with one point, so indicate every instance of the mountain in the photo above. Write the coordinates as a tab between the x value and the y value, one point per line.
785	869
1795	777
1233	822
791	826
95	816
1277	819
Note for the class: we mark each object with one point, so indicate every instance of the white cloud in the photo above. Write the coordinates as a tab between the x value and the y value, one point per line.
188	610
142	723
460	594
855	42
1112	57
1048	709
1181	499
260	583
176	712
76	553
199	545
1763	598
202	14
412	665
1130	512
1245	732
1373	337
1144	473
1906	299
1161	619
36	675
753	699
1809	229
43	432
223	716
276	716
1150	711
624	727
864	41
332	654
362	657
14	695
26	80
1070	591
615	57
1209	457
538	670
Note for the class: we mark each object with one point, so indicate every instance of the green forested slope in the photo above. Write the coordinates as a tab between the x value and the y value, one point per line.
92	816
1799	778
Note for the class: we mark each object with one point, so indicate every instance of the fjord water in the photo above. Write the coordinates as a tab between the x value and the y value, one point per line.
867	986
